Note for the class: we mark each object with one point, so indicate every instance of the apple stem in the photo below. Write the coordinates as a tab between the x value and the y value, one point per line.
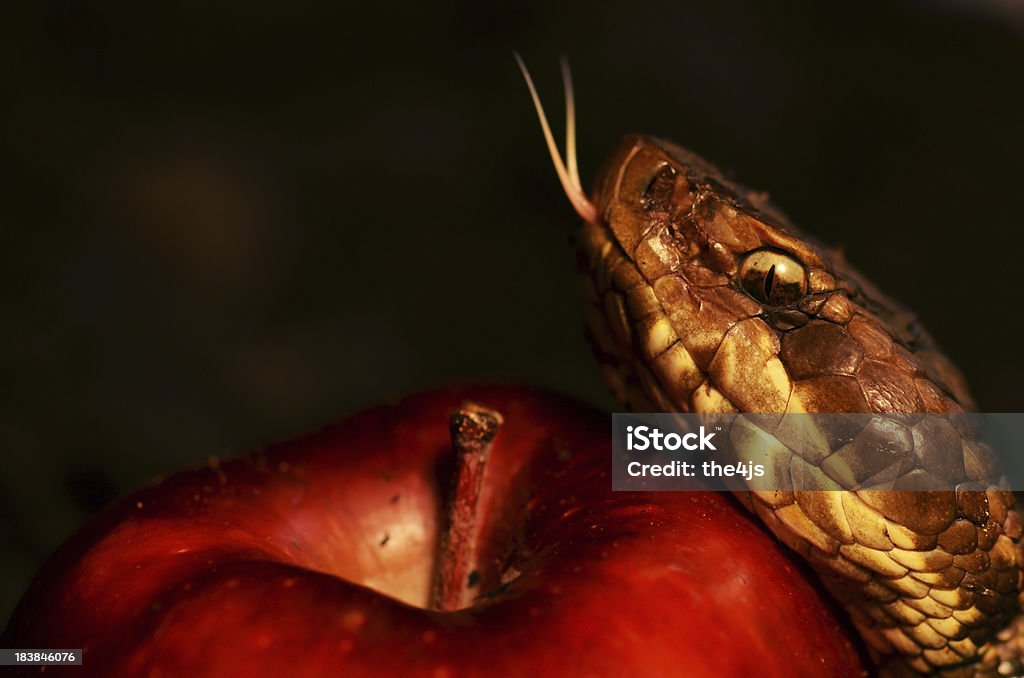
473	429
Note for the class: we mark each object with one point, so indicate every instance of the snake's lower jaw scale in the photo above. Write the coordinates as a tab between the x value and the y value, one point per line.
932	581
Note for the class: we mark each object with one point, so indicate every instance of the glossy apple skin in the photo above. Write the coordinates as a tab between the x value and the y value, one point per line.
253	567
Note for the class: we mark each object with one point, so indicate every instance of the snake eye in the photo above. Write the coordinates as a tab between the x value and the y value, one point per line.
773	278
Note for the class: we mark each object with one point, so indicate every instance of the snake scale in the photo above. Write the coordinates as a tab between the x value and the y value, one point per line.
702	297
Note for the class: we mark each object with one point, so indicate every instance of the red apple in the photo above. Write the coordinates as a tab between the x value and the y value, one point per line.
321	556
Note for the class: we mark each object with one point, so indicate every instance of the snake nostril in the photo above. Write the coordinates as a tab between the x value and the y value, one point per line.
658	194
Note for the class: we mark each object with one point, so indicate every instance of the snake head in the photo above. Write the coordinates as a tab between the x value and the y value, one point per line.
706	298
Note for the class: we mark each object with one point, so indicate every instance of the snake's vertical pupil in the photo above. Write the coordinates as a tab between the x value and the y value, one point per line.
773	278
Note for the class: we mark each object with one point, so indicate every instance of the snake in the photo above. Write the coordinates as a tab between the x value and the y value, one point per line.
702	297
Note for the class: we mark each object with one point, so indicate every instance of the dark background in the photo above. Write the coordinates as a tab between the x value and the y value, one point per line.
224	226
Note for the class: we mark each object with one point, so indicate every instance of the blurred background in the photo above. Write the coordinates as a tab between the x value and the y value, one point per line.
225	225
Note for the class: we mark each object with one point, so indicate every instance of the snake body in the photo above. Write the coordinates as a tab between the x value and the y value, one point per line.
702	297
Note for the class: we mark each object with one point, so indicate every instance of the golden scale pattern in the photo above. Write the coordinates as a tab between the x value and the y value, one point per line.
930	578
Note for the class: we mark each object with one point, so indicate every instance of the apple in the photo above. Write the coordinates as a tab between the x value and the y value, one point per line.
431	537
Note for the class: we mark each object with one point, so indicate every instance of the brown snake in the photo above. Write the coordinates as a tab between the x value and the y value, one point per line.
702	297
